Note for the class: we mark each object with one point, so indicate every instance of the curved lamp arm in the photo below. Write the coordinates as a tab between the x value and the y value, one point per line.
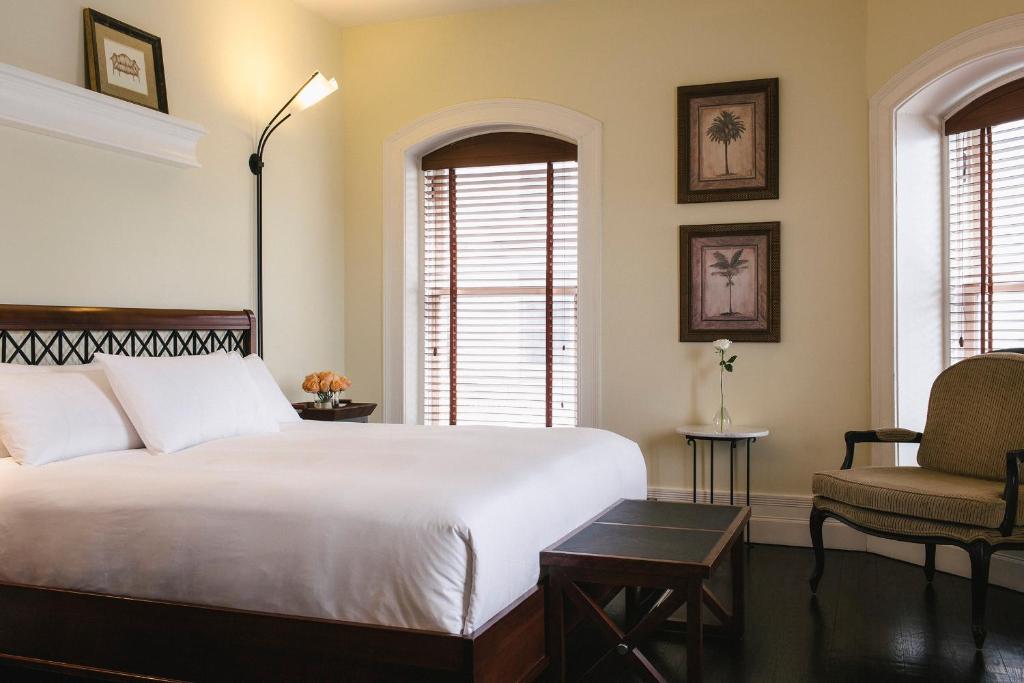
312	91
256	158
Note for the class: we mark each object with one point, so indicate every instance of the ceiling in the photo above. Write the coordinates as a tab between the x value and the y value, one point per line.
358	12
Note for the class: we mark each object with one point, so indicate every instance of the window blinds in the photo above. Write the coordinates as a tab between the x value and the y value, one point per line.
500	294
986	239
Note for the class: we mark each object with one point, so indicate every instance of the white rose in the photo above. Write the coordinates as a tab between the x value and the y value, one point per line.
721	345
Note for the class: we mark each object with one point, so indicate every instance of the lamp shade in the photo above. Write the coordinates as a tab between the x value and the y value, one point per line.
315	90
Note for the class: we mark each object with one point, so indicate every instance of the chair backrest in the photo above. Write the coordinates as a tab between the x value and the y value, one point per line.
975	415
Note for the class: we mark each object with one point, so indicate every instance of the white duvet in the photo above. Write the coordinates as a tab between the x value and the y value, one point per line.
434	528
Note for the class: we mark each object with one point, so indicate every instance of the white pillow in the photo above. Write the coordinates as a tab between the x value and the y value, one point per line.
50	416
273	398
7	368
183	401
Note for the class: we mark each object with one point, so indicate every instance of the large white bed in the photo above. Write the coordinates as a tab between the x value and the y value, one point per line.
432	528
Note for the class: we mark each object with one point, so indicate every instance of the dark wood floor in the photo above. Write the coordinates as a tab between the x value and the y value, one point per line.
874	621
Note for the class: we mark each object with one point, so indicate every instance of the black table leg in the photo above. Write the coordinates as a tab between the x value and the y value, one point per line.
712	483
732	466
749	441
693	443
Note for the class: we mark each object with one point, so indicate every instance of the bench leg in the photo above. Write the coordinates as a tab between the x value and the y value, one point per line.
817	520
555	627
929	562
738	589
694	631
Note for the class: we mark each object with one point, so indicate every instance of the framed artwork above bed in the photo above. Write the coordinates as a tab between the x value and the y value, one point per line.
123	61
729	282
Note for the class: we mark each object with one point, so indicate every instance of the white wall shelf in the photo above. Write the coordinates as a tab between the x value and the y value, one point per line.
58	109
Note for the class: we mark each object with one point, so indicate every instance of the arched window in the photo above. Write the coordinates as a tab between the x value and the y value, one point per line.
501	282
986	222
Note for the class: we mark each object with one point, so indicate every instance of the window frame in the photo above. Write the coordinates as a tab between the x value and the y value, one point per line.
401	248
947	262
1009	87
505	151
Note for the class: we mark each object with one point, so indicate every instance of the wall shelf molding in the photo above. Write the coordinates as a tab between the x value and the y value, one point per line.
45	105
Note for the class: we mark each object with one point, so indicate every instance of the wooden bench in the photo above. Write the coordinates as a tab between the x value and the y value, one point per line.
661	553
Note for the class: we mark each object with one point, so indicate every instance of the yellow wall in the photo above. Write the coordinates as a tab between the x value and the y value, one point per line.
900	31
83	226
620	62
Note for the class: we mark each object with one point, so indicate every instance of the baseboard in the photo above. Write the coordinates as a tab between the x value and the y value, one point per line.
782	520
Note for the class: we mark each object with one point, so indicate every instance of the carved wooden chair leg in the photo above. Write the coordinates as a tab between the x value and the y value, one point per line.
929	561
817	519
980	553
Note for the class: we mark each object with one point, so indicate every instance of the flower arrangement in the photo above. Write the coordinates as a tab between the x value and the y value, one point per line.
325	385
722	419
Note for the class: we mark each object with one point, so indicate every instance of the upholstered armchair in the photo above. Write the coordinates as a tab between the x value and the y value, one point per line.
965	491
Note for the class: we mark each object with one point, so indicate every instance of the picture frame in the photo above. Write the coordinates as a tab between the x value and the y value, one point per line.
124	61
729	282
728	141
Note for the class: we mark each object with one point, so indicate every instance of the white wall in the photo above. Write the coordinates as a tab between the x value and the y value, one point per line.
83	226
920	268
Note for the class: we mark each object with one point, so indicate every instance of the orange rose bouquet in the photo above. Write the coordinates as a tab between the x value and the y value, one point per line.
325	385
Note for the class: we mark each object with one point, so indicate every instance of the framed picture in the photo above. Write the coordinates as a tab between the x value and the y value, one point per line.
728	141
123	61
729	282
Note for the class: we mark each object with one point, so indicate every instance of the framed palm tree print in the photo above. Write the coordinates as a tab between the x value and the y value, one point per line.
728	141
729	282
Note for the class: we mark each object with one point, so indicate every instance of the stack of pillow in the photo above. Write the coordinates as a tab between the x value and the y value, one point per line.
165	404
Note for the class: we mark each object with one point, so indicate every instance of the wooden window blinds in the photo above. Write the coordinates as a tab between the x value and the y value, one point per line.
500	275
986	223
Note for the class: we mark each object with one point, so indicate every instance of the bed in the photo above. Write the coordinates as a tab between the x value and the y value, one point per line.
326	551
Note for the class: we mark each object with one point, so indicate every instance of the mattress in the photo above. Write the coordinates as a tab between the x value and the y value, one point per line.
433	528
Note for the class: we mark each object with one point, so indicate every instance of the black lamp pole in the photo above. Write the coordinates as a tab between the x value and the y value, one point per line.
256	166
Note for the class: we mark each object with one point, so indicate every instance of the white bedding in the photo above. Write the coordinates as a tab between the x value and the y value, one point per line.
434	528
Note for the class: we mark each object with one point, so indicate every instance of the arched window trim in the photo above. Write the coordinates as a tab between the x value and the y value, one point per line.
906	138
402	225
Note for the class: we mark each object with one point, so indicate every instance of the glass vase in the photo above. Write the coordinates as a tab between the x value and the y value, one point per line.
722	420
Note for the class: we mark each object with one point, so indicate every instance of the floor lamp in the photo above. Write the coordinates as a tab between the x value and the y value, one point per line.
311	92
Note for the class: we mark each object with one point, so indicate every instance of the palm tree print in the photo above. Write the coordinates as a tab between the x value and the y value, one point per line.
729	268
725	129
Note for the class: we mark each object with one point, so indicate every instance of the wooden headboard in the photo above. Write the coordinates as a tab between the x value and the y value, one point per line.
70	335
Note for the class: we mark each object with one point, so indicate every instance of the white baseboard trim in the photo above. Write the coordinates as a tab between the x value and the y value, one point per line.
783	519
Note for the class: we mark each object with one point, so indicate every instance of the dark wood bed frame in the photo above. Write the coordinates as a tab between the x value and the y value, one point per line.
123	638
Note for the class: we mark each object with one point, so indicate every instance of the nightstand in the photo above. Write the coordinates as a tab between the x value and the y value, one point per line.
350	412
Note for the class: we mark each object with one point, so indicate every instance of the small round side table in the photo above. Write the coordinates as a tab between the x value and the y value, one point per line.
733	435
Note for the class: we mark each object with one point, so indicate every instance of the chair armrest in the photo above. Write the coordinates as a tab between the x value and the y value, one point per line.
1013	461
887	435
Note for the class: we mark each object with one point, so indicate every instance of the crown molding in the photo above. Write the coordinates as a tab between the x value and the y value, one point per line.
50	107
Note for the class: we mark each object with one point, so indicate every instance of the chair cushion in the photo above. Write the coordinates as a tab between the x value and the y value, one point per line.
917	492
974	416
901	525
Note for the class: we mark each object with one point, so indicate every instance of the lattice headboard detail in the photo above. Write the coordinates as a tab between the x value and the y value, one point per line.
68	335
